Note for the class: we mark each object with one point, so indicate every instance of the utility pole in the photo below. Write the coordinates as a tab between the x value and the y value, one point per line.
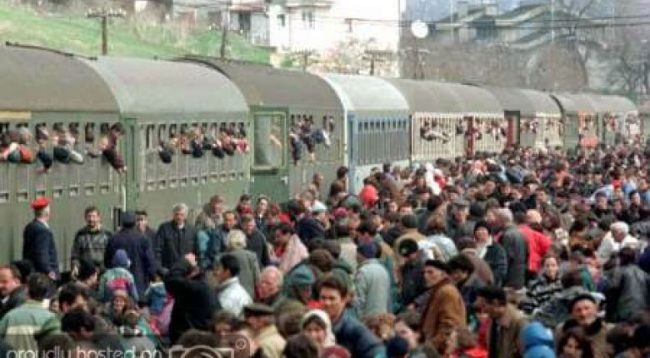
104	14
225	25
304	57
376	56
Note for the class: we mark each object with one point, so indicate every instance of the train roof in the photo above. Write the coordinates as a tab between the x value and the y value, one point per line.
150	86
264	85
542	103
428	96
476	100
42	80
574	103
613	104
527	102
367	93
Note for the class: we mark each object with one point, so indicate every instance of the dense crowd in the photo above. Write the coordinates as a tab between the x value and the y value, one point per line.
527	253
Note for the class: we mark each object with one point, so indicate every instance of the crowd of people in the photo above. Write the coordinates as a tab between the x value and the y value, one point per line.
527	253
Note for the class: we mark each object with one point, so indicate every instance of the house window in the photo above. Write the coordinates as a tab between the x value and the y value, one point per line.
282	20
308	19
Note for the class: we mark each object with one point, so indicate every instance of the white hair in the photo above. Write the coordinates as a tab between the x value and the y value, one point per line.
277	274
180	207
620	226
236	239
504	215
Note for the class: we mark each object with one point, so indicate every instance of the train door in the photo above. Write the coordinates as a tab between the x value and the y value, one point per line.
513	132
470	140
271	154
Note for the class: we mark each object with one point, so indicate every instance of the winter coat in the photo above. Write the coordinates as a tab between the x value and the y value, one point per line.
537	341
412	280
249	270
372	287
271	342
308	229
140	253
232	297
627	291
256	243
456	231
444	313
117	278
540	291
356	338
90	246
516	249
508	330
193	301
496	258
556	310
538	245
39	247
173	243
294	253
21	326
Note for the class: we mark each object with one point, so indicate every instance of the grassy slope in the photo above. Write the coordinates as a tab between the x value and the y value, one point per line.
81	35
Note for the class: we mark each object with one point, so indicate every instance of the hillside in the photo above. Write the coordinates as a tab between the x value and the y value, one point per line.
83	36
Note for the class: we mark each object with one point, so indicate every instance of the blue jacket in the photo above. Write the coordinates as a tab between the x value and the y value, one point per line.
356	338
537	341
138	248
39	247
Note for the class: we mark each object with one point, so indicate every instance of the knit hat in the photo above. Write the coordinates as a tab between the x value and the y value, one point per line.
368	250
128	218
121	259
301	276
397	347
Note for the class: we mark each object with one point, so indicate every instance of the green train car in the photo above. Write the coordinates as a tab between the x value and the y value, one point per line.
184	130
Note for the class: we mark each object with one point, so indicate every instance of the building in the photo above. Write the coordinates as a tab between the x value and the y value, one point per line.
321	25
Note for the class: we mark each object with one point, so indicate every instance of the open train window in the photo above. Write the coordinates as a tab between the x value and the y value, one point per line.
269	140
172	130
104	128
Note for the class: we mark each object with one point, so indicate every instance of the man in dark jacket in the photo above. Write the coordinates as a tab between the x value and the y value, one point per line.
38	241
90	241
349	332
516	249
411	272
137	247
307	227
13	294
193	305
175	238
255	241
218	242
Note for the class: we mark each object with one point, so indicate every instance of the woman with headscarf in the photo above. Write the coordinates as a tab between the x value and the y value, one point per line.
316	325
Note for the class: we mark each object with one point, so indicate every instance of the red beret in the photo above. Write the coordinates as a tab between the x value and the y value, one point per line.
40	202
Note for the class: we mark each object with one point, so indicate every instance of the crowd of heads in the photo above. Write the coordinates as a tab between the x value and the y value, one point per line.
529	252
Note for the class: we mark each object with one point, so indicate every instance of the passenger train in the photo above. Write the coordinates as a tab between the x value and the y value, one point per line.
127	133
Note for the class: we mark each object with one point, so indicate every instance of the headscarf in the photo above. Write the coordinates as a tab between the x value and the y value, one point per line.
330	340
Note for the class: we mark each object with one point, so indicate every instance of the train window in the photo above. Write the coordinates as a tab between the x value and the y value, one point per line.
149	136
269	141
172	130
162	133
104	128
89	133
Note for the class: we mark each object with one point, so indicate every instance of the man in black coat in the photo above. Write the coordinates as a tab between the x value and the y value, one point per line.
38	241
255	241
175	238
137	247
193	300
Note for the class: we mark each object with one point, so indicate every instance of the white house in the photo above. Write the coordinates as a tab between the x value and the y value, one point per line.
319	25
